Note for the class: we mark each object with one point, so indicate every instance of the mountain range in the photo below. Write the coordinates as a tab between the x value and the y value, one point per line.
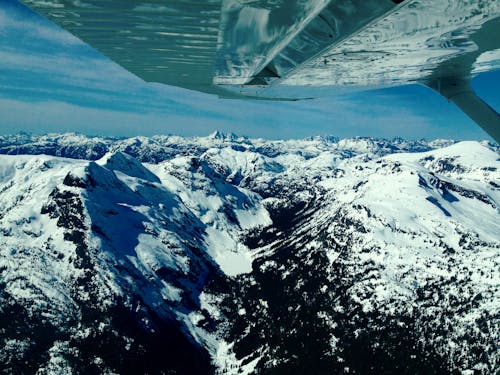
229	255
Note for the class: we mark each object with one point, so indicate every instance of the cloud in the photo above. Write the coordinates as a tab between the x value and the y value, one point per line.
37	29
53	116
273	121
72	70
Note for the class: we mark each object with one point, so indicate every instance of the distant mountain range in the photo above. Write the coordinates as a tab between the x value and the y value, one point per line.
229	255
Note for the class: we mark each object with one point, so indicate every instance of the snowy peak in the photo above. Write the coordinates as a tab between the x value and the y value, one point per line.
128	165
464	158
219	136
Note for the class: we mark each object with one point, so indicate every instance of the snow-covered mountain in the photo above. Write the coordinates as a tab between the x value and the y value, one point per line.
228	255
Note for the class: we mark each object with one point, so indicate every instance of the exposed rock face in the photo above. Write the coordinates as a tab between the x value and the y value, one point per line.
234	256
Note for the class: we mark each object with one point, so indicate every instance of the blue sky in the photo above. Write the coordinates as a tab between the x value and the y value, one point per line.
52	82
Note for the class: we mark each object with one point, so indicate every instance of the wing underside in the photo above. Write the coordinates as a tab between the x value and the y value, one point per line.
264	44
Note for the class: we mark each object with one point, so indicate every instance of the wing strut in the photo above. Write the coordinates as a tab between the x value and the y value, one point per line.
460	92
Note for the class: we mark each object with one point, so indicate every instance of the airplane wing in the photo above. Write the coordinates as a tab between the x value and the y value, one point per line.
295	49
